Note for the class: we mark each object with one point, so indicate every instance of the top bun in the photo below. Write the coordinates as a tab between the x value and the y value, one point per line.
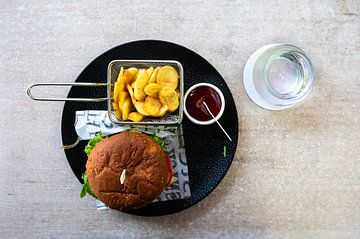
146	170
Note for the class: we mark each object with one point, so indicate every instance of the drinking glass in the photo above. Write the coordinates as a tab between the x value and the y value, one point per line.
278	76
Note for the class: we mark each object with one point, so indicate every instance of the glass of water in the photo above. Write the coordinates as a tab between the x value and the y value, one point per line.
278	76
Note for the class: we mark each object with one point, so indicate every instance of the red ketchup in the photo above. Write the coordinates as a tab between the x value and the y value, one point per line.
194	103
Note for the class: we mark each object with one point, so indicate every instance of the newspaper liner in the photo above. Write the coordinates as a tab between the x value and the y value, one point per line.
90	122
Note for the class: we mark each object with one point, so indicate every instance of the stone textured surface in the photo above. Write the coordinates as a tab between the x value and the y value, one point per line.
296	172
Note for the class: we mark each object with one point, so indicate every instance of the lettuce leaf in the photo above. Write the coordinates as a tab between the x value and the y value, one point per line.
85	189
92	142
159	141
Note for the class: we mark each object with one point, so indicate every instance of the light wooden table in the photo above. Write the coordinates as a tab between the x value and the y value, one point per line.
296	173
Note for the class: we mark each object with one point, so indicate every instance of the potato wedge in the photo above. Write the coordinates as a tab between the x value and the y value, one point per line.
126	108
140	83
153	89
139	105
116	110
150	70
116	91
169	98
124	80
153	75
167	76
127	77
122	97
117	85
135	116
152	105
131	93
121	73
131	73
162	111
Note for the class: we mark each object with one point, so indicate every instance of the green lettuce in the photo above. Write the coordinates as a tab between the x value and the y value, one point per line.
159	141
85	189
92	142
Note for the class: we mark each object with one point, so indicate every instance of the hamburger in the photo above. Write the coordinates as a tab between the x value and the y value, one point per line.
126	171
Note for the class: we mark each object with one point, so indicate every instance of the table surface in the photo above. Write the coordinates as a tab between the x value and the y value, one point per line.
296	173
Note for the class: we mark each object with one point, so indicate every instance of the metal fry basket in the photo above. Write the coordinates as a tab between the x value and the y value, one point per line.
113	71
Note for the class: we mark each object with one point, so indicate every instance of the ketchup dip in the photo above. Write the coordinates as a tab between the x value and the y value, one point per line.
194	103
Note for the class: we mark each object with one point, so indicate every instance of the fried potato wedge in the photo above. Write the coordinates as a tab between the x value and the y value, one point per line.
119	84
167	76
122	97
131	92
169	97
131	73
162	111
150	70
139	105
116	110
126	108
127	78
140	83
153	75
116	91
135	116
152	105
153	89
121	73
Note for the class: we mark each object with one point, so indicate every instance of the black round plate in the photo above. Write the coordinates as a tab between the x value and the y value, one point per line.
204	144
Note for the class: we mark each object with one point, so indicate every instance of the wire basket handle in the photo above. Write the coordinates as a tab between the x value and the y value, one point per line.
28	91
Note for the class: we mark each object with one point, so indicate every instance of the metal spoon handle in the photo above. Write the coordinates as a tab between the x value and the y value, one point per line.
207	108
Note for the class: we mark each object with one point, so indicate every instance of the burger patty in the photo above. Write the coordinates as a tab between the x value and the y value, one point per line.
146	172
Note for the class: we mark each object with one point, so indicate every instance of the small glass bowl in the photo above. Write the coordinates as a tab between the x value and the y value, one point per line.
217	117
